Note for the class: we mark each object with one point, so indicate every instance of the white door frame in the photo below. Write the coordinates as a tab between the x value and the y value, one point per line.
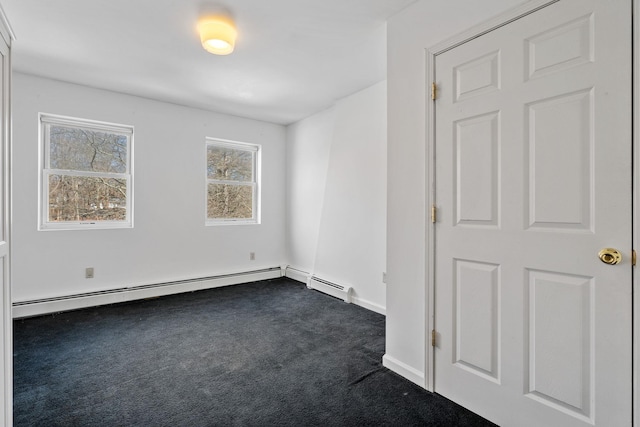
431	53
7	36
636	216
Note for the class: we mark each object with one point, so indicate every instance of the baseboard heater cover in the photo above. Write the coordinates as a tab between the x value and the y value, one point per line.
330	288
296	274
88	299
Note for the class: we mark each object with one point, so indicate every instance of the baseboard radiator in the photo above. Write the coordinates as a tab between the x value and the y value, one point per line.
296	274
136	292
330	288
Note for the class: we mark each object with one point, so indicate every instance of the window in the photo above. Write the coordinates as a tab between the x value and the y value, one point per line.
232	182
86	178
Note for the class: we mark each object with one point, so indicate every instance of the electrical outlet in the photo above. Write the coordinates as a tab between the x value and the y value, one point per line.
88	273
252	256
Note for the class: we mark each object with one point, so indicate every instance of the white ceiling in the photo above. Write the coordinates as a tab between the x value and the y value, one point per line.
293	58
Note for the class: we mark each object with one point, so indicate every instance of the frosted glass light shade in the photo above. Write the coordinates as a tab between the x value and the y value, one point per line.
217	34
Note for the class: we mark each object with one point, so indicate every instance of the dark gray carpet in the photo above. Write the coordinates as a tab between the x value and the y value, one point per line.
269	353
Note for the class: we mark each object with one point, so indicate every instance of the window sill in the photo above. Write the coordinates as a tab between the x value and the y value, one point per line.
209	223
72	226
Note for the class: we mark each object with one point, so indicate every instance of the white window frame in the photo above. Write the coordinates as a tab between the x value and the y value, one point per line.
45	121
256	151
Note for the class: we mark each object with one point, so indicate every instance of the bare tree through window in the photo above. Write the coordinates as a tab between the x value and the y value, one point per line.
86	172
231	181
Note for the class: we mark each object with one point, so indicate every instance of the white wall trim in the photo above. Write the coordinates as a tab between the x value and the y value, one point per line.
404	370
5	27
369	305
7	323
73	302
431	53
296	274
636	207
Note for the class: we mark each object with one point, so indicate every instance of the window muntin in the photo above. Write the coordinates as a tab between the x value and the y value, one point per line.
86	174
232	182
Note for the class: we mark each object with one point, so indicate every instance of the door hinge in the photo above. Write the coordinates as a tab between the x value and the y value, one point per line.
634	257
433	213
433	338
434	91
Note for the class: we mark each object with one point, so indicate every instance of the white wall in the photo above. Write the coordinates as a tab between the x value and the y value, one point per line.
169	240
308	147
409	33
337	194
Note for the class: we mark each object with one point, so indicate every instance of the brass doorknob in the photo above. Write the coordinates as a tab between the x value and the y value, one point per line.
610	256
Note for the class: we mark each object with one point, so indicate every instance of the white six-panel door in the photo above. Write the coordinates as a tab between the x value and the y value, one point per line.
533	179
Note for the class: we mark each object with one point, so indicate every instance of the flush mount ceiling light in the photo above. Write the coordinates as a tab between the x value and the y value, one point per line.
217	33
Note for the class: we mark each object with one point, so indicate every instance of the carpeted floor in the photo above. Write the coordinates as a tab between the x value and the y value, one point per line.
269	353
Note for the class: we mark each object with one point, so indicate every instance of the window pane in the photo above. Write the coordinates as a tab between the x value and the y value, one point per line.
87	150
230	201
227	164
80	198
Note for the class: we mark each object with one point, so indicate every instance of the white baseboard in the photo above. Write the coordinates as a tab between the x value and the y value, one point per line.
296	274
302	276
404	370
369	305
73	302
